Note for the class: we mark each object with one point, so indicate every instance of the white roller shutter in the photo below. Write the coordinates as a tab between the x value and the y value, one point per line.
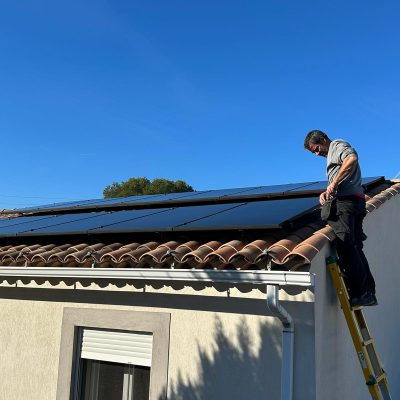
121	347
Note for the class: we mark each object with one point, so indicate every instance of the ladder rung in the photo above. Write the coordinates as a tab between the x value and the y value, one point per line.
367	342
380	377
375	380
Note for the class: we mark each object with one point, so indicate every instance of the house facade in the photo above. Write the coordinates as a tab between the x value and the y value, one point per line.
238	314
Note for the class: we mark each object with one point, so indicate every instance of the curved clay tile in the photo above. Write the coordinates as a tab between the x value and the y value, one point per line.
393	191
59	257
135	255
375	202
307	251
280	249
31	247
45	255
309	248
327	232
81	255
17	257
13	250
224	253
29	254
385	195
395	187
116	255
316	241
184	249
197	256
96	255
5	248
276	252
249	253
158	255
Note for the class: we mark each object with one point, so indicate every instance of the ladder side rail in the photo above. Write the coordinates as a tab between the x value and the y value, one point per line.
374	375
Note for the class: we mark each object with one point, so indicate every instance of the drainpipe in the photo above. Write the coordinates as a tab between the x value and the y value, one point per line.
287	341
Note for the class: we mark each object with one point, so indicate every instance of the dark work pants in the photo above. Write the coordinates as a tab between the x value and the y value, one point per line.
347	225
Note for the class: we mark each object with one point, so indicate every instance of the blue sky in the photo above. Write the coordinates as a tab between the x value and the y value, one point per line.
217	93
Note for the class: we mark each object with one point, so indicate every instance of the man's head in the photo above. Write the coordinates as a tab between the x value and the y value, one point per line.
317	142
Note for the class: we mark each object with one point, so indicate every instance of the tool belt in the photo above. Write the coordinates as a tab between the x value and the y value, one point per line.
328	210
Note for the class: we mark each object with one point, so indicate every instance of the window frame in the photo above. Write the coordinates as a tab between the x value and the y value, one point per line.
74	319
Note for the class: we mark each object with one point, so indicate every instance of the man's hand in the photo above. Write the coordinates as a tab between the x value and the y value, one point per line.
331	189
323	198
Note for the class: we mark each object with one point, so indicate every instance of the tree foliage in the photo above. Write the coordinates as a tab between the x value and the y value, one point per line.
141	186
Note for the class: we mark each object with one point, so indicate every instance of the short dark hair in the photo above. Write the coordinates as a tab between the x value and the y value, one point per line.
315	137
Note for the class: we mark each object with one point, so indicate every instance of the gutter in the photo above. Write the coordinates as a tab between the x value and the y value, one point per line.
281	278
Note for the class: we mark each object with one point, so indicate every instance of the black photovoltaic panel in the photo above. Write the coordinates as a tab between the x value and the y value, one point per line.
67	205
370	180
256	215
321	185
23	220
31	224
239	194
253	215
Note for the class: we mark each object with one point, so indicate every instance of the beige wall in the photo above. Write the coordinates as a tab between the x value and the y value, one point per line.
222	345
338	373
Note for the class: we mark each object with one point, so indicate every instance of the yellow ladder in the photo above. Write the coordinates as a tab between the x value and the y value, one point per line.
375	376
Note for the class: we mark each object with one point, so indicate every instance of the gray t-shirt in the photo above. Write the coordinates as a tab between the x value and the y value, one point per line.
338	151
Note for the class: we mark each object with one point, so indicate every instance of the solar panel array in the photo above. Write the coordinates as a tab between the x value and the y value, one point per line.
251	215
241	194
270	207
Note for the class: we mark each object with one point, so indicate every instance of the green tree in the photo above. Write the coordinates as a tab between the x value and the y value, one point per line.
141	186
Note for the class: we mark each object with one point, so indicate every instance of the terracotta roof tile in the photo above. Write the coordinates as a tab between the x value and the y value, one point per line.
160	254
289	250
115	256
198	256
184	249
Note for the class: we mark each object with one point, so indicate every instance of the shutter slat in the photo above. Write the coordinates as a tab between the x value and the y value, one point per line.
114	350
122	347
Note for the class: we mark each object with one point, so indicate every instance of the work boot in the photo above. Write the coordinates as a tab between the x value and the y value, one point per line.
366	299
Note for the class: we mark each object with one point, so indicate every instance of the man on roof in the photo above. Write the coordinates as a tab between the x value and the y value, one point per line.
344	209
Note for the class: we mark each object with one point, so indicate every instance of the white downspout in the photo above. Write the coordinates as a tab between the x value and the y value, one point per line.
287	341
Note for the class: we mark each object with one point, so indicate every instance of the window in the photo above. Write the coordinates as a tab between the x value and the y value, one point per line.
113	355
102	380
113	365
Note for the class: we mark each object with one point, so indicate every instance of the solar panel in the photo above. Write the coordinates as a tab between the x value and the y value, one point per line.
23	220
321	185
252	215
371	180
255	215
32	224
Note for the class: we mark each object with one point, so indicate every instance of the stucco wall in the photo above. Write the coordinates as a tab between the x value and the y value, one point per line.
338	373
222	344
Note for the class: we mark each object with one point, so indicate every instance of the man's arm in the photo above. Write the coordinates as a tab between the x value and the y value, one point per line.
349	163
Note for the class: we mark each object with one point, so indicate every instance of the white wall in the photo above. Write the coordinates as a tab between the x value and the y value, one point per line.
338	374
222	345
